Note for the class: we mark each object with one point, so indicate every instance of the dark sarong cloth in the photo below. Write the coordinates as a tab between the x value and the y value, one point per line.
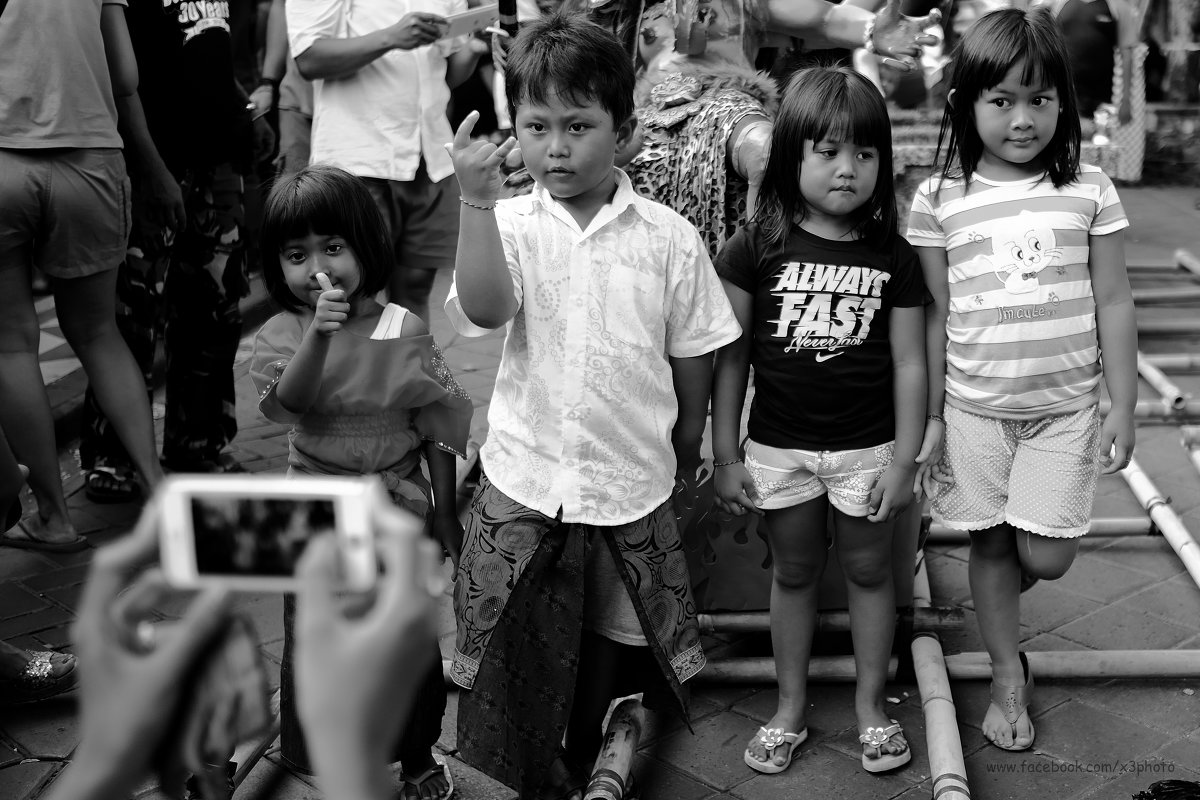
519	601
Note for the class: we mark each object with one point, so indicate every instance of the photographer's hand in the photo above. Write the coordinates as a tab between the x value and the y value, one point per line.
130	687
355	677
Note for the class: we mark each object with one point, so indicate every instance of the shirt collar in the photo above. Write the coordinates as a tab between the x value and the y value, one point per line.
625	197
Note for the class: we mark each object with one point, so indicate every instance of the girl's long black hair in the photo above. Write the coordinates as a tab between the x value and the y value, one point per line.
980	60
329	201
827	103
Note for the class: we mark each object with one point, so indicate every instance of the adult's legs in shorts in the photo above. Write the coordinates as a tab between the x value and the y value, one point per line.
865	554
139	289
25	415
799	548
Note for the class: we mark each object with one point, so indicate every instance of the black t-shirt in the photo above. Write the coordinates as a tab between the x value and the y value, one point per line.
820	351
196	113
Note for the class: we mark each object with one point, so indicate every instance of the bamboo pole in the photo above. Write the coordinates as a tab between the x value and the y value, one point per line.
1169	327
614	765
1186	260
838	621
1170	392
821	669
1157	409
1078	664
1105	527
1164	517
942	742
1090	664
1184	294
1191	442
1178	362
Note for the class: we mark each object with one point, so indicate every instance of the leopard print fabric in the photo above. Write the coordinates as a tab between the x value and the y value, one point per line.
683	163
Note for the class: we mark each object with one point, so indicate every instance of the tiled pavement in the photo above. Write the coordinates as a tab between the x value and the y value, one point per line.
1097	740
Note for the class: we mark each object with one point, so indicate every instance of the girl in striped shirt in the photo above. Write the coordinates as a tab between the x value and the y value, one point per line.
1022	249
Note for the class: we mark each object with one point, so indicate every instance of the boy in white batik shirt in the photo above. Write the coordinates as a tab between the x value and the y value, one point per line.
572	561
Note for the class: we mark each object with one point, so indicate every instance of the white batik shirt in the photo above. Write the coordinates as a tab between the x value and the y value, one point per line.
584	403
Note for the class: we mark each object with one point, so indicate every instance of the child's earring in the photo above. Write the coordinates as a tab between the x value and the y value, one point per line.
950	97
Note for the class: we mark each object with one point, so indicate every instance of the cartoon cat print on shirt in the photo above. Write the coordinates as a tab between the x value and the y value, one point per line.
1023	246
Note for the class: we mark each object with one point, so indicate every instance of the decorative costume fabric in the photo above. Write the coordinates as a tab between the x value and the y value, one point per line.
688	119
519	597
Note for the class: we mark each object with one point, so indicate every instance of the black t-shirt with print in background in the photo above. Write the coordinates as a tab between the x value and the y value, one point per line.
196	113
820	351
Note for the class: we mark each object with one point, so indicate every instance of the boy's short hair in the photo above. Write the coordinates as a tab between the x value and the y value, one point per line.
568	55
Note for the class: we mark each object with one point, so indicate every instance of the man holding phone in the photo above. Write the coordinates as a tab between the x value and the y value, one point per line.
384	117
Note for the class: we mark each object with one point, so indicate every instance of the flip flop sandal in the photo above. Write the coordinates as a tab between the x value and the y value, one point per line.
412	786
27	541
877	738
1013	701
105	483
772	739
37	681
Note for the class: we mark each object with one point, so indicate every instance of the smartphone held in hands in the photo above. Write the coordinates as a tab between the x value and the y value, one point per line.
471	21
247	532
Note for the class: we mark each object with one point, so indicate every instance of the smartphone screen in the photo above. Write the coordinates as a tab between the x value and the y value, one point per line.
255	536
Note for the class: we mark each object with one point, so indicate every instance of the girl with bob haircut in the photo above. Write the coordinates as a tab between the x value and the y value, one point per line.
834	106
319	199
1023	251
828	296
367	392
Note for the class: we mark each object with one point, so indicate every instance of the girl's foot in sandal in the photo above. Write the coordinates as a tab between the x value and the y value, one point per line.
109	482
1003	725
434	783
884	748
766	752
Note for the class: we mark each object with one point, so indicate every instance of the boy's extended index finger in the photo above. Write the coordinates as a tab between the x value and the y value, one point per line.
462	136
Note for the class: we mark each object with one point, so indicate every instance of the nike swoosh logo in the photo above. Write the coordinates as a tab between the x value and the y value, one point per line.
826	356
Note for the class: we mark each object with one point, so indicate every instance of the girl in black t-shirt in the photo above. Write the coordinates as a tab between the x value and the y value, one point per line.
830	300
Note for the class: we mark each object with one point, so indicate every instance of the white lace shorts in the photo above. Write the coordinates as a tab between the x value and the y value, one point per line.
1037	475
785	478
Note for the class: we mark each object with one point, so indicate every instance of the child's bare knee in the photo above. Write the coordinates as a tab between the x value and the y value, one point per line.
867	572
797	575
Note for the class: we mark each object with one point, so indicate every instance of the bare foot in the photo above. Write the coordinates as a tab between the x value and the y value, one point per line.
54	529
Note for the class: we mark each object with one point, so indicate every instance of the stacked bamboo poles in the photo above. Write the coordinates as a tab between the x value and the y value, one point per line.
942	743
1164	517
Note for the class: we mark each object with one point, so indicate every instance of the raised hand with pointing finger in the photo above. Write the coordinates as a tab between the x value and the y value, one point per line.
477	164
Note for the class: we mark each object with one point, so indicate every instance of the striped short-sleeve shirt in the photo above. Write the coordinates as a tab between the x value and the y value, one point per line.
1021	332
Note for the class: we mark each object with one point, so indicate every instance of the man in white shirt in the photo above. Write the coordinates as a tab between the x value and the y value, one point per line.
382	75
